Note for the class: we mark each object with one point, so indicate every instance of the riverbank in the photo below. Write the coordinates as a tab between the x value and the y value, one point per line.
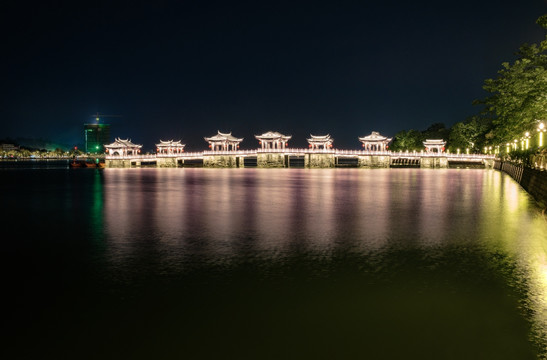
534	181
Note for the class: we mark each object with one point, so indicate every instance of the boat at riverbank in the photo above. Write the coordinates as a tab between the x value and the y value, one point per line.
76	164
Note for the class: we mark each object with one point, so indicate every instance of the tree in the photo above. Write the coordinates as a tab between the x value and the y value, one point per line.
436	131
518	95
472	134
408	140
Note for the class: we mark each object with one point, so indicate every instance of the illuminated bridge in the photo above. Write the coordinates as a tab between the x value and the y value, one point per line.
290	157
275	153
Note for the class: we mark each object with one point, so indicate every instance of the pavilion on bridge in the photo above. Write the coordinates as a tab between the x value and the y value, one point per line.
434	144
170	147
273	140
123	148
223	142
320	142
375	142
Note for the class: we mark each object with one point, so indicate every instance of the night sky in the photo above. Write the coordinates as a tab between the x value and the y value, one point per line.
183	70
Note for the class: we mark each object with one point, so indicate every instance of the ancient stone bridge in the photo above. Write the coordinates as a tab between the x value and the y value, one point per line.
293	157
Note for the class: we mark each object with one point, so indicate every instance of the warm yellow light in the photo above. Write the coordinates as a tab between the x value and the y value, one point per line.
458	151
527	134
541	125
540	139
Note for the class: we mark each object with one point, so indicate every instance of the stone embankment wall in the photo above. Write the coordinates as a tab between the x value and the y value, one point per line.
534	181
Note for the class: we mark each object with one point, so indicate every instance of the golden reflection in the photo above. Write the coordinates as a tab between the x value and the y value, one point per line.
514	227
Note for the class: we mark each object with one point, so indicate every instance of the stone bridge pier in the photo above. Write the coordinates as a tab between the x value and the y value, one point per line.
318	160
429	162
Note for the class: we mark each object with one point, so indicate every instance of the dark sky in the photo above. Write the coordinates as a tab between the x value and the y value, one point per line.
183	70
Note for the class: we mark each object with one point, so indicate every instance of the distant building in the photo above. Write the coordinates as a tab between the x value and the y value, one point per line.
96	136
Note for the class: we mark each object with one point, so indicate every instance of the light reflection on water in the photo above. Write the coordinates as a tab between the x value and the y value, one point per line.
219	214
318	210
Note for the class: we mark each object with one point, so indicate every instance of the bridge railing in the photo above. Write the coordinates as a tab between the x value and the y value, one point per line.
130	157
181	155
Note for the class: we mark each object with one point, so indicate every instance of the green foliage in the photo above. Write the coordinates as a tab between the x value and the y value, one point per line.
436	131
472	134
408	140
518	95
521	156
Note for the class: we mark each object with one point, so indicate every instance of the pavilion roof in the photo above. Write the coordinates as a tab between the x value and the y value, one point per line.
434	142
170	143
315	138
223	137
273	135
120	143
374	136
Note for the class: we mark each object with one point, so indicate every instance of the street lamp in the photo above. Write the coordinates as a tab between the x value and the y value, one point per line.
541	130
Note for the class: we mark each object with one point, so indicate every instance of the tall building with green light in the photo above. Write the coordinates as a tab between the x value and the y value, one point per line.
96	136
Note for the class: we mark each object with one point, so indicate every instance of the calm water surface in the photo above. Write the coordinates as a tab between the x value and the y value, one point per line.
272	264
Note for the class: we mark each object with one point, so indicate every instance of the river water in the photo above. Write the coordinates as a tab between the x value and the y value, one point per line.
201	263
